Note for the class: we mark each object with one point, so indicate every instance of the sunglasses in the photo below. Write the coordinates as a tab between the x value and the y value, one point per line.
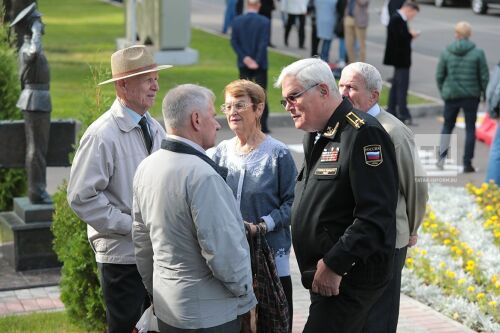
292	99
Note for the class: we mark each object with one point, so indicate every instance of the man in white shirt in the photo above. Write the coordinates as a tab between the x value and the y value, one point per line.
361	83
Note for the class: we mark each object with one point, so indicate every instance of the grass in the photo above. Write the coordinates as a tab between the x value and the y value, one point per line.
80	33
43	322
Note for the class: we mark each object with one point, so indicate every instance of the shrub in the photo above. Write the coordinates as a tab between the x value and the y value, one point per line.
12	181
80	288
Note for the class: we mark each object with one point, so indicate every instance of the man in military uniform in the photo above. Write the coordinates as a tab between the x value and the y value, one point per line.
34	101
343	216
361	83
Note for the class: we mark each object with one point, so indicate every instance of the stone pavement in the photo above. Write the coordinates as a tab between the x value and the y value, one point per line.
414	316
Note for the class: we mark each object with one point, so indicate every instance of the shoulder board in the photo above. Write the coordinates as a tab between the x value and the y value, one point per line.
354	120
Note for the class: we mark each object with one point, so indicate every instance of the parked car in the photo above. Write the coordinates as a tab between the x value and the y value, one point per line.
481	6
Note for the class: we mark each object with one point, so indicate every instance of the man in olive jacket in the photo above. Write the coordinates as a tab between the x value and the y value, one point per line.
462	77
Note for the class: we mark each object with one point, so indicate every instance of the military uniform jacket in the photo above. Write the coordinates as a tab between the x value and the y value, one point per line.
345	199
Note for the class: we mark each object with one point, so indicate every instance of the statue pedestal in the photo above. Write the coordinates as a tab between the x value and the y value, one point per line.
25	236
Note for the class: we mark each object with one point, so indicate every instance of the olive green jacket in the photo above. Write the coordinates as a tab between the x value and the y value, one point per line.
462	71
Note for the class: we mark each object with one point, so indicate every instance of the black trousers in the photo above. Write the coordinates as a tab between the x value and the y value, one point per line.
384	315
286	282
37	130
398	104
344	313
124	295
259	76
302	24
229	327
451	110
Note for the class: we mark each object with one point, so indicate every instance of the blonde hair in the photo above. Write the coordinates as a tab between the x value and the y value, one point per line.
463	29
241	88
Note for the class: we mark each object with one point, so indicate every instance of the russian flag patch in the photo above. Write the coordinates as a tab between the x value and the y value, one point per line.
373	155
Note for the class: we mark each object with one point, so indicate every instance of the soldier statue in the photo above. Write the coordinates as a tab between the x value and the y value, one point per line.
34	101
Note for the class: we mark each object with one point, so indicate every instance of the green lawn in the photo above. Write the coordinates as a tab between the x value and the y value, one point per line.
80	33
53	322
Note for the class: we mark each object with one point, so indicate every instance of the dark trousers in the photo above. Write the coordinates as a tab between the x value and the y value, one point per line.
229	327
124	295
398	105
286	282
314	37
383	316
259	76
302	23
344	313
451	109
37	130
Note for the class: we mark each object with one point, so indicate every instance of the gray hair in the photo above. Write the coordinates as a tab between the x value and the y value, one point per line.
309	72
180	102
372	77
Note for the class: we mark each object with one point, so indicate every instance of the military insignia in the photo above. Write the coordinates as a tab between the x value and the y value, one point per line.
330	154
373	155
330	131
325	171
355	120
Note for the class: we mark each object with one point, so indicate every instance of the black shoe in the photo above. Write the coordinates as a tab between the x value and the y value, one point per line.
469	169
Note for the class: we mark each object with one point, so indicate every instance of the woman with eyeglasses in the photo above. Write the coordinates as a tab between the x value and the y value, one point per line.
261	173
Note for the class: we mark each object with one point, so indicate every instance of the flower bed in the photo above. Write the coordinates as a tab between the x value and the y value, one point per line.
455	266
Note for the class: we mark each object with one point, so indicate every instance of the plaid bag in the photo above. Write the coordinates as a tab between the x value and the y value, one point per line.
272	314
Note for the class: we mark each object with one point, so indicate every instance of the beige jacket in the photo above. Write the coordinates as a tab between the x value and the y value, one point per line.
413	195
191	247
100	183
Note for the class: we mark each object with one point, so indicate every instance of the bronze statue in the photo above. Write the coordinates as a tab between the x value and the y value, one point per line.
34	100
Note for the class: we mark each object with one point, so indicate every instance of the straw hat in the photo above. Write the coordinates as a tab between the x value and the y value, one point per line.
132	61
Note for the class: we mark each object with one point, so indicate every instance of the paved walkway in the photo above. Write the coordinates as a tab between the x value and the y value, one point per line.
414	316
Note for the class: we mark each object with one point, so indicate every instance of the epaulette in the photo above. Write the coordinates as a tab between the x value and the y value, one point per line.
355	120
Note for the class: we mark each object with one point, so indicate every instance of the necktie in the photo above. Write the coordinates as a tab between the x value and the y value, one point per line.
145	133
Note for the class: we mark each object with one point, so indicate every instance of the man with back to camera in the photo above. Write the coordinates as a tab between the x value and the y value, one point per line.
398	54
249	39
361	83
100	184
344	212
190	242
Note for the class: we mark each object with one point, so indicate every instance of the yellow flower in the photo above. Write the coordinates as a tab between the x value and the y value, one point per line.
451	274
497	285
426	224
492	303
432	216
480	296
489	208
494	278
434	226
442	264
423	252
409	261
446	241
471	289
461	281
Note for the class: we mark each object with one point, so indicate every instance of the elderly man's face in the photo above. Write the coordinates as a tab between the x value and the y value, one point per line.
352	85
305	109
209	126
139	92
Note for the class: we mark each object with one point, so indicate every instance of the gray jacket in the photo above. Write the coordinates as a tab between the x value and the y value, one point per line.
412	196
190	243
100	183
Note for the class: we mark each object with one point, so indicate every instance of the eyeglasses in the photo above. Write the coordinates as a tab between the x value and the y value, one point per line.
237	107
292	99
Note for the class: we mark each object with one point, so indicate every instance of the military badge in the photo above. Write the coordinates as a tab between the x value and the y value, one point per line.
330	154
325	171
331	131
373	155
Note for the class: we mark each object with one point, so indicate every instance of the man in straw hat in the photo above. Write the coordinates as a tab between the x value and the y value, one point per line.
100	184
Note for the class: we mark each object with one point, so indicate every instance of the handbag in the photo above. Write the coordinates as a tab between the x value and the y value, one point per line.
148	322
271	311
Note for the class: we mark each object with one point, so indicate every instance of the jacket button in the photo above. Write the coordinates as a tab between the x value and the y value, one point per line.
353	263
345	273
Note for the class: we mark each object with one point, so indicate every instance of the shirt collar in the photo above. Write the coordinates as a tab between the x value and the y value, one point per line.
374	110
188	142
134	115
402	15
